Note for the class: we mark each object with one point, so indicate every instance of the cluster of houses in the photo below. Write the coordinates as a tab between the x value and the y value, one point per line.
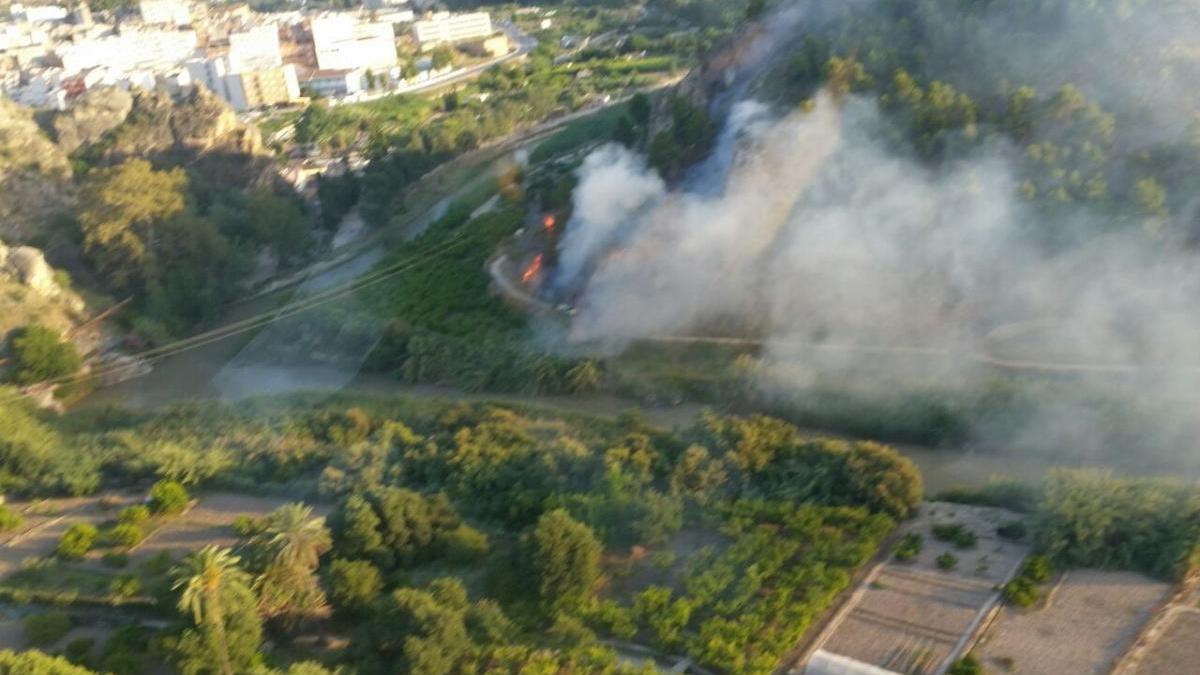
50	54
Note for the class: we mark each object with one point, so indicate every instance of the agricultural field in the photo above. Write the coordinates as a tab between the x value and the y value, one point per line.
911	612
1086	623
1176	649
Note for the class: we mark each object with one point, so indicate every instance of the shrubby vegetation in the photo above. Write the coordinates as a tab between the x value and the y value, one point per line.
1096	519
470	536
40	353
1023	590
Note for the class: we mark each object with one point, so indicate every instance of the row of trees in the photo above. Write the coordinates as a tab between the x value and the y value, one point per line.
935	70
227	598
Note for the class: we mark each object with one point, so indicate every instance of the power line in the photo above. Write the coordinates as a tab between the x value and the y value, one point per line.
257	321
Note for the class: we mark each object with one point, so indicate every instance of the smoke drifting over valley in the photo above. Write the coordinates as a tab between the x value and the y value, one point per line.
853	265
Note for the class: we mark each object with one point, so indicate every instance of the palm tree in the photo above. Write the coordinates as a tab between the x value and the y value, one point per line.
293	538
291	545
204	580
585	377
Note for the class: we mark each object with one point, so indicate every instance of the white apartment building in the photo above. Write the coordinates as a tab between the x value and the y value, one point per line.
342	43
255	49
444	27
37	13
152	50
167	12
247	89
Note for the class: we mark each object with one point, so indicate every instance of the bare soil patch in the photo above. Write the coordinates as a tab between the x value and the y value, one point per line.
1177	650
210	521
1091	619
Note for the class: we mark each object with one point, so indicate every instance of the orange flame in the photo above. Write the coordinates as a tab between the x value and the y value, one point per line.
532	269
548	222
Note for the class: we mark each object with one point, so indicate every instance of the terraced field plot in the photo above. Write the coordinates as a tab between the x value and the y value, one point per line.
909	617
1091	618
1177	650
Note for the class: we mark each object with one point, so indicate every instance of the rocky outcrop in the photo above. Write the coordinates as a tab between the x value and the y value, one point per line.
34	174
93	114
30	292
27	266
198	124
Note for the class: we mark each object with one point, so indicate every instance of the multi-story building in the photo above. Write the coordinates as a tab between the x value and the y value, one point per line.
37	13
257	48
167	12
263	88
246	89
342	43
129	50
444	27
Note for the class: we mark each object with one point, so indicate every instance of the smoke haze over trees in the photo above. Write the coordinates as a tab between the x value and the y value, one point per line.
906	201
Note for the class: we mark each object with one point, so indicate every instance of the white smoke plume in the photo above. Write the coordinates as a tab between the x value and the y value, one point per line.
852	262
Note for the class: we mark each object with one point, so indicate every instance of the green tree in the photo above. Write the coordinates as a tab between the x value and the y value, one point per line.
967	665
46	628
356	527
640	109
1151	197
584	377
566	560
442	56
39	354
37	663
77	541
121	210
415	632
168	498
278	222
216	594
127	535
353	585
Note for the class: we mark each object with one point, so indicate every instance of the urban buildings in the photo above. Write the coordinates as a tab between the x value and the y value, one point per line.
49	54
165	12
132	49
342	43
253	89
256	48
444	27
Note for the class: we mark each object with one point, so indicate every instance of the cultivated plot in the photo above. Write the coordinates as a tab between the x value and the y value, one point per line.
1088	621
911	616
1175	648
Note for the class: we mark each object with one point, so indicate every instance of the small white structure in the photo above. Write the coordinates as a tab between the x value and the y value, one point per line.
337	82
444	27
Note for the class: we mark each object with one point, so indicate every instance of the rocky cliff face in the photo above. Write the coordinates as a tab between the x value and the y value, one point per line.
34	173
93	114
198	124
30	292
